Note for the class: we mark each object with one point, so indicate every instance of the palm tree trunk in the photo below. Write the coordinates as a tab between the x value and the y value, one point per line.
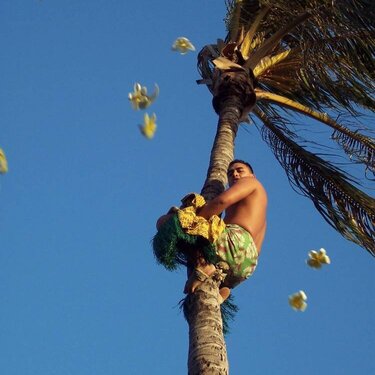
223	148
234	97
207	350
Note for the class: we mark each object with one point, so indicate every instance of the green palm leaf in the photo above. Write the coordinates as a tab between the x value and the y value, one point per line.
350	211
356	145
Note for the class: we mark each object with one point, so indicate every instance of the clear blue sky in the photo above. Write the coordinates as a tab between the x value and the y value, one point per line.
81	293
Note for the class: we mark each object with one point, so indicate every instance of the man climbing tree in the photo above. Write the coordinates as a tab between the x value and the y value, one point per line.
219	255
239	244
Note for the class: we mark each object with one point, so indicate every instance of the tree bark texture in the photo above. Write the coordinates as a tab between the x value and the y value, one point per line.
207	350
222	151
233	97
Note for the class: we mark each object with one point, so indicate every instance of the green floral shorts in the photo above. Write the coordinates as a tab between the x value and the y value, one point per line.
236	247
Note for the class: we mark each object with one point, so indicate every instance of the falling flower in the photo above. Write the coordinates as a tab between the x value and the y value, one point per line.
139	98
3	162
318	258
183	45
297	301
148	128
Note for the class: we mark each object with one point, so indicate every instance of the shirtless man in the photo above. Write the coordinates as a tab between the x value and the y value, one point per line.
244	203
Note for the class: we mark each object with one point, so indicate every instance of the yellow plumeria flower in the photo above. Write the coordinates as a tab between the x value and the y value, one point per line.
318	258
140	99
3	162
298	301
148	128
182	45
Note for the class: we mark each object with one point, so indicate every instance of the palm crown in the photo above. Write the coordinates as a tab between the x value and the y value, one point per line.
314	58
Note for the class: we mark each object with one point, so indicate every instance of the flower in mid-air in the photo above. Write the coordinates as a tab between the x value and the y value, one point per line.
318	258
298	301
3	162
148	128
182	45
140	99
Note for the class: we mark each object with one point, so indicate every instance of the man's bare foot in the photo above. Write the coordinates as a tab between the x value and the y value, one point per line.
198	276
224	293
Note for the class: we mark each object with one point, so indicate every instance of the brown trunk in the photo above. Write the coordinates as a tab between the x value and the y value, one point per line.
233	96
223	149
207	350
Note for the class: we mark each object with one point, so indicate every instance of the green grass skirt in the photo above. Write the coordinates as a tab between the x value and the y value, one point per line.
172	245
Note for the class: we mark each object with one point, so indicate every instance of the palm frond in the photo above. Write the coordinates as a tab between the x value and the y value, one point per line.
338	72
234	22
249	10
311	82
205	65
335	46
356	145
347	209
273	41
268	62
248	44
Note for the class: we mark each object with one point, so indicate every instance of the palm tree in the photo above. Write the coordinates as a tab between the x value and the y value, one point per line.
311	57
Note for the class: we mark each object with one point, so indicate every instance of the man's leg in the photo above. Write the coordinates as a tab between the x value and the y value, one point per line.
198	271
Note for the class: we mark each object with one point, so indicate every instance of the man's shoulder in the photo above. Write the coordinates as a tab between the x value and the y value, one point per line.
245	186
254	185
250	181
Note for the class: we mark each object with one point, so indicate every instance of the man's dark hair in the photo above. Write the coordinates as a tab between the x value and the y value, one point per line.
242	162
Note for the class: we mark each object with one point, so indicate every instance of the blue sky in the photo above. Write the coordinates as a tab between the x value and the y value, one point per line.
80	290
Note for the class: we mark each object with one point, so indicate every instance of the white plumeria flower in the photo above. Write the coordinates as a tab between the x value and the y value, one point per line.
298	301
3	162
148	128
318	258
183	45
140	99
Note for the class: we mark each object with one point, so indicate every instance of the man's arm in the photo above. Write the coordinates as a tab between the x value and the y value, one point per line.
238	191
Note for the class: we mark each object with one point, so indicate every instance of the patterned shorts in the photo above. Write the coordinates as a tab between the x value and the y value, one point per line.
236	247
